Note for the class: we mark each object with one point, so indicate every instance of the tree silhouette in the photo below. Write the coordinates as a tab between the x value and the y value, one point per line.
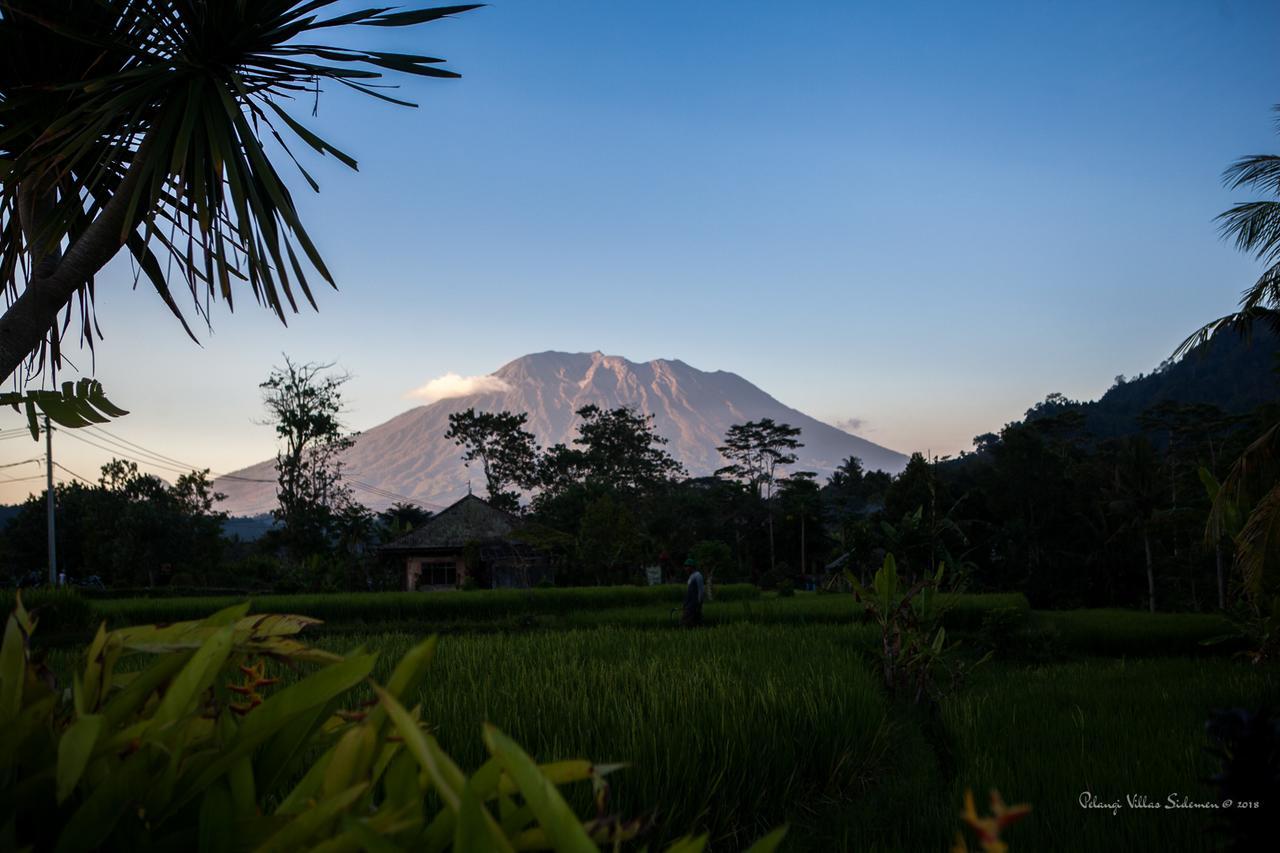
756	450
616	449
801	499
506	451
304	406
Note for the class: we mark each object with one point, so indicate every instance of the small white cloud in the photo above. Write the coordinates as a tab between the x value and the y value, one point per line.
452	385
850	425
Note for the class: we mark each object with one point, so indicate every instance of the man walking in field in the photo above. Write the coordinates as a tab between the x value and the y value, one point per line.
695	593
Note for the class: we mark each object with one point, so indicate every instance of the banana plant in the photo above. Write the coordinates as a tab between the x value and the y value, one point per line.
205	747
912	642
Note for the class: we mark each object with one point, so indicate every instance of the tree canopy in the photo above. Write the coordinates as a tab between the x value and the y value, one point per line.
304	405
506	451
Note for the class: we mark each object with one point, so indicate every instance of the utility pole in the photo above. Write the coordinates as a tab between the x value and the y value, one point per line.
53	539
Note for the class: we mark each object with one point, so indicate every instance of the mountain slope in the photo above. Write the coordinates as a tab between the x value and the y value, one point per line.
409	455
1234	373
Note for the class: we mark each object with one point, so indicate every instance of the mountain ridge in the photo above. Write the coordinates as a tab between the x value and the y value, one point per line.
409	457
1233	371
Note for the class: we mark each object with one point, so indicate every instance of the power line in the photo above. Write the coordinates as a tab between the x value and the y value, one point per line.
130	450
149	456
169	460
21	479
117	439
116	452
84	480
363	486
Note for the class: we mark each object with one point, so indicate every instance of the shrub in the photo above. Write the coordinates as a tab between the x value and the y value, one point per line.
1132	632
1002	627
200	749
770	579
255	570
786	588
713	558
966	611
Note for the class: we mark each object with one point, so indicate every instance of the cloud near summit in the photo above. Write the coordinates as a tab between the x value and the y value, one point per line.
850	425
452	385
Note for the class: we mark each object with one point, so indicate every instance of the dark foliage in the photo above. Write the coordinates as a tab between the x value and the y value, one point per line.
1248	746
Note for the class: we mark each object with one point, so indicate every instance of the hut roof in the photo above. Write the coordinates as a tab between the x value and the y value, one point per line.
468	520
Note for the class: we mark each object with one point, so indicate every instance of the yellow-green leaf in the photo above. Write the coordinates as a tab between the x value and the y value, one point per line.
13	670
195	678
74	749
554	815
471	834
689	845
305	826
770	842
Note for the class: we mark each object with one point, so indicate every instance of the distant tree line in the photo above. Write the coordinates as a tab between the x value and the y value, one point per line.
133	530
1046	506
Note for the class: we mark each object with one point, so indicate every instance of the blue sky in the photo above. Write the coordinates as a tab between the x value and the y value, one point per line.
924	216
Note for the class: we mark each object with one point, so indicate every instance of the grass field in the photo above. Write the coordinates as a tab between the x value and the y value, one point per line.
1022	633
738	728
774	714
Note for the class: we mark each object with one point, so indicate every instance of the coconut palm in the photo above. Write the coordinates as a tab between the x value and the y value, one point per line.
1253	483
1254	227
139	125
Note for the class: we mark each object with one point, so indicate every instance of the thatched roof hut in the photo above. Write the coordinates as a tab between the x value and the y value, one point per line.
466	521
469	539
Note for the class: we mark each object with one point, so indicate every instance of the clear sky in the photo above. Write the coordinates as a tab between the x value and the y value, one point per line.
922	217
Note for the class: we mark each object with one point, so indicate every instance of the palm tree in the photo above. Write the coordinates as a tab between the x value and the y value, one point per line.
139	125
801	499
1253	483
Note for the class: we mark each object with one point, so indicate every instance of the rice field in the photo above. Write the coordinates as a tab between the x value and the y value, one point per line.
738	728
494	610
721	731
774	714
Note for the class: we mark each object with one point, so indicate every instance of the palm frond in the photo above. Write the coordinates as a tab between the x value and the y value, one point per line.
76	405
1254	226
1258	545
1260	171
167	103
1256	468
1239	323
